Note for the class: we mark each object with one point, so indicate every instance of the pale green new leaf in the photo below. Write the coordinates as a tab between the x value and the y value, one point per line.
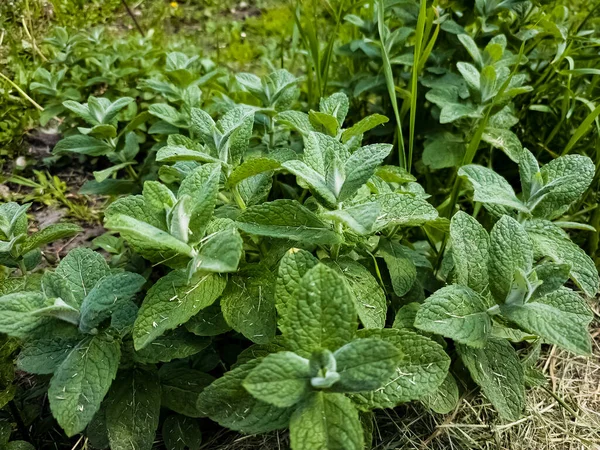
498	371
221	252
403	209
81	382
361	166
326	421
363	126
281	379
456	312
505	140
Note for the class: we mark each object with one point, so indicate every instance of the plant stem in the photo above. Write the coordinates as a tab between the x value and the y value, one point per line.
137	25
238	198
22	92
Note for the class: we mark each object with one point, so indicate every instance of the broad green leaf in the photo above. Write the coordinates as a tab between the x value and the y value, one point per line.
314	180
221	252
470	252
365	364
43	356
443	150
549	240
320	150
561	318
359	219
81	269
49	234
175	344
181	388
208	322
445	399
102	175
505	140
569	176
490	187
143	235
286	219
296	120
322	314
133	409
168	114
174	153
294	264
420	370
281	379
17	313
511	251
498	371
394	174
81	382
228	403
456	312
82	144
172	301
470	74
402	269
326	421
181	433
324	123
158	196
403	209
529	174
363	125
106	297
248	305
336	105
548	277
360	167
252	167
487	84
471	47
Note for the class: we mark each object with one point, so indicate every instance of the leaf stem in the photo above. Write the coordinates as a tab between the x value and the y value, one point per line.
238	198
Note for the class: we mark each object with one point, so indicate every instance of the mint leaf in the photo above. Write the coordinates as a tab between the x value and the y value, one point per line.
175	344
81	270
498	371
445	398
361	166
470	252
549	240
365	364
172	301
81	382
511	251
505	140
228	403
84	145
44	355
208	322
561	318
322	315
358	219
252	167
286	219
294	264
49	234
490	187
421	369
326	421
281	379
181	433
316	182
403	209
106	297
18	313
456	312
336	105
369	298
402	269
133	409
221	252
363	125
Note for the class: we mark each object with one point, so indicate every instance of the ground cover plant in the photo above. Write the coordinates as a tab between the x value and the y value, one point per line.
375	217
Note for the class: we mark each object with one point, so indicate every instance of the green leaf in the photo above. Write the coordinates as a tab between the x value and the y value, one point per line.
443	150
402	269
336	105
81	382
358	219
565	179
44	355
314	180
490	187
168	114
498	371
228	403
175	344
363	126
369	298
361	166
322	315
403	209
456	312
252	167
281	379
487	85
326	421
324	123
561	318
511	251
221	252
181	433
470	252
82	144
133	409
286	219
293	266
172	301
505	140
81	270
17	313
106	297
420	370
549	240
445	398
365	364
208	322
49	234
143	235
181	388
296	120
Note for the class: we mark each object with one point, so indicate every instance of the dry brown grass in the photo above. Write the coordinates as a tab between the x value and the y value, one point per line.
565	415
